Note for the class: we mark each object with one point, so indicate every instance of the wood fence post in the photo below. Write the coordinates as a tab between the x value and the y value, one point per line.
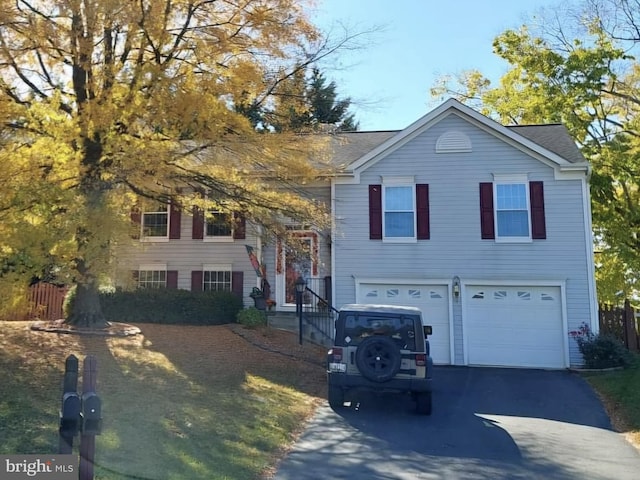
630	330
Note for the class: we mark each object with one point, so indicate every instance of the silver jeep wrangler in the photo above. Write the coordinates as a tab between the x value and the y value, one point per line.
380	348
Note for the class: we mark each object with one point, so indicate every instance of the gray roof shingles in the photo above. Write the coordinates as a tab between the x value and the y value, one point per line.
347	147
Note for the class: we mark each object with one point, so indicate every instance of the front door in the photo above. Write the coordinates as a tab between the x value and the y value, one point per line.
296	260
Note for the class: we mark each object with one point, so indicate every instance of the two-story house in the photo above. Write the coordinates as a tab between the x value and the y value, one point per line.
486	228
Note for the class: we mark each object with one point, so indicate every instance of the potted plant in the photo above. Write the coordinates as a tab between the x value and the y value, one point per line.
259	300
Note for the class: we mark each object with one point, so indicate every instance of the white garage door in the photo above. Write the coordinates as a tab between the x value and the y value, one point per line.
514	326
431	299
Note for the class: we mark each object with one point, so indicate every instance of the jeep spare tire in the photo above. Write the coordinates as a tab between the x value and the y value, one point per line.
378	359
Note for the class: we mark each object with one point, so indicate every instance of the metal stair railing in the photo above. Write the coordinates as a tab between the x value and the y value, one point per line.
319	314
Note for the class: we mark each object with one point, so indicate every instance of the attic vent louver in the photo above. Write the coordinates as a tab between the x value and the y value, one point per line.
453	141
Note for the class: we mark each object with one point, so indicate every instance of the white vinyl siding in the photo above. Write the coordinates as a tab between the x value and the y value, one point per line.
456	247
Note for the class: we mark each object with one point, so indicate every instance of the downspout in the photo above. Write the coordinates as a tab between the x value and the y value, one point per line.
333	242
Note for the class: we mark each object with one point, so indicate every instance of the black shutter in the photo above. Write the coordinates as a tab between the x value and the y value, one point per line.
422	211
375	212
487	227
538	224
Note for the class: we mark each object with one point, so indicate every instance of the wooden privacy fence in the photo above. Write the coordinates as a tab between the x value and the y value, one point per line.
44	302
621	323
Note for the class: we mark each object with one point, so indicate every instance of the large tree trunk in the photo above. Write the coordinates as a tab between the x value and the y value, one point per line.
86	310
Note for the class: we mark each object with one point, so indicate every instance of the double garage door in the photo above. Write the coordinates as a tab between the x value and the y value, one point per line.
513	326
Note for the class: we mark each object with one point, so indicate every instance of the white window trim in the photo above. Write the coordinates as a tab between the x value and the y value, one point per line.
216	238
148	238
399	181
213	267
510	180
153	267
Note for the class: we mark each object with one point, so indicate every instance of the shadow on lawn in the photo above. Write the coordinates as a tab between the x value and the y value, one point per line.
196	402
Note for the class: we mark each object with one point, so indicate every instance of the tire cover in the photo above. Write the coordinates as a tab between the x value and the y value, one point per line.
378	358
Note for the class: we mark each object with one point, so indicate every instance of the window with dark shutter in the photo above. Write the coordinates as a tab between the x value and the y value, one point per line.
538	223
375	212
422	211
487	227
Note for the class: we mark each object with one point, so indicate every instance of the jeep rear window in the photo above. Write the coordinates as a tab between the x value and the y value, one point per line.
400	329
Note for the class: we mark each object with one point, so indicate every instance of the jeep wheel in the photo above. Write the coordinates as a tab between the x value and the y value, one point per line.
336	397
423	403
378	359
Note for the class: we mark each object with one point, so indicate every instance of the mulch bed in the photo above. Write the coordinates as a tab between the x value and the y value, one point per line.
113	330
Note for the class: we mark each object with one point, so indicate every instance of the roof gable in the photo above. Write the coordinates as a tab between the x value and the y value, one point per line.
551	144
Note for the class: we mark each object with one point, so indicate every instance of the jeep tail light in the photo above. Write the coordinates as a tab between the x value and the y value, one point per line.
336	353
421	359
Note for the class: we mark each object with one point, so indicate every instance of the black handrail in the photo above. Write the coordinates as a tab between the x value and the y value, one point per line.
319	314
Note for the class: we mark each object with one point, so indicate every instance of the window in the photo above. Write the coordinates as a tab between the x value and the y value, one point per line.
218	225
216	279
399	210
155	223
152	278
512	210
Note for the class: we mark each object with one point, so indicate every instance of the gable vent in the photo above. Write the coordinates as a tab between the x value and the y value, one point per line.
453	141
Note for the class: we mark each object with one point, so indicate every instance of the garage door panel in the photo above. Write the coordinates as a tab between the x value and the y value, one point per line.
432	300
514	326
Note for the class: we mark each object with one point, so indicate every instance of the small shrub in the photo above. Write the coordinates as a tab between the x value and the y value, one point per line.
602	350
252	317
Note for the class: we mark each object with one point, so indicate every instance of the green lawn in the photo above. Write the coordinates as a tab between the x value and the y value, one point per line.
620	392
178	402
193	402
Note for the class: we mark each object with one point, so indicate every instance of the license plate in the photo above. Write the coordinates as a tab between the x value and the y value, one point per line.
338	367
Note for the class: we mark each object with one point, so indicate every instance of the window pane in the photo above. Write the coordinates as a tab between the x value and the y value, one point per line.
155	224
398	224
219	225
152	279
513	223
398	198
511	196
217	281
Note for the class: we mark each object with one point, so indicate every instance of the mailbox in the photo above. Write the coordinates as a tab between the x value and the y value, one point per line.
91	414
70	414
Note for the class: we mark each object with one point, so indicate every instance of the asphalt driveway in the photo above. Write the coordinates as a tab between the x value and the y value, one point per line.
486	424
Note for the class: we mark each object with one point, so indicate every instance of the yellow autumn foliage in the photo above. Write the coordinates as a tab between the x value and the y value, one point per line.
106	104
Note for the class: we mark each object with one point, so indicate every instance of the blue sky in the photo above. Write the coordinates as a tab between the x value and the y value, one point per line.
389	80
